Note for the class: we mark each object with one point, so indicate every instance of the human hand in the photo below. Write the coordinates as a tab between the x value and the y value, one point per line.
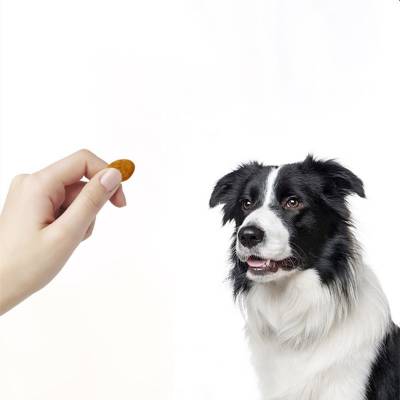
45	216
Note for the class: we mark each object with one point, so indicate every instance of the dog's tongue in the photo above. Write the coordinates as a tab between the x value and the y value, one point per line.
256	263
258	266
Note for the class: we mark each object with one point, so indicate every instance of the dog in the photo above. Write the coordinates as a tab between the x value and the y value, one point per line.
318	324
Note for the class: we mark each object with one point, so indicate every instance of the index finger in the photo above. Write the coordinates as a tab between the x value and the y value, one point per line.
73	167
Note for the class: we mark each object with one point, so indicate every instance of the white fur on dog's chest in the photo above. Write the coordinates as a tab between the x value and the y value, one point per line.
299	348
286	374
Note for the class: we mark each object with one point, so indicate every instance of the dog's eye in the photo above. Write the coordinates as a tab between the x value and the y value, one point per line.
292	202
246	204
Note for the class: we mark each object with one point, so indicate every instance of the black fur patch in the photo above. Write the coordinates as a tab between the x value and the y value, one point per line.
384	380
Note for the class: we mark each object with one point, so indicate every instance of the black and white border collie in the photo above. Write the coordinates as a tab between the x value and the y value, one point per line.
317	320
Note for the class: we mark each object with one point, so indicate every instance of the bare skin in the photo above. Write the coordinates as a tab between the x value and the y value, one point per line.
46	216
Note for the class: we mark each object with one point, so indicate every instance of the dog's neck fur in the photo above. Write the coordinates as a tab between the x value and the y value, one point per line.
301	333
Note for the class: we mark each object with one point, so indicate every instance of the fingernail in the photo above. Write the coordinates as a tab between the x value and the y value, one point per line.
111	179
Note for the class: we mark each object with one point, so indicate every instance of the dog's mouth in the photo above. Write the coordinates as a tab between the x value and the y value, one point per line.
261	266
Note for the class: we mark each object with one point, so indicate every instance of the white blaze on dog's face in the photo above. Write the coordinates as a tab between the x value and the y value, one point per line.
262	238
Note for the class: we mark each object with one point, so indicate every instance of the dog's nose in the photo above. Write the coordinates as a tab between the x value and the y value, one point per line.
250	236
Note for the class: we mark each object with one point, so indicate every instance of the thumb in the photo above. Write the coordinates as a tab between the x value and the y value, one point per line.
76	219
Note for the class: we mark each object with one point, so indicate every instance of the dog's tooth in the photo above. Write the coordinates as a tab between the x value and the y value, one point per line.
267	262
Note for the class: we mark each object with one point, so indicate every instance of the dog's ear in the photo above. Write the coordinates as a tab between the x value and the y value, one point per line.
339	179
223	189
227	189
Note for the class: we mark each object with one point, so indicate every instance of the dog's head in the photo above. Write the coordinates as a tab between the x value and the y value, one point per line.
287	218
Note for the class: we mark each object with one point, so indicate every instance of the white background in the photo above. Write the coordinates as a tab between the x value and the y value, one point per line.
187	89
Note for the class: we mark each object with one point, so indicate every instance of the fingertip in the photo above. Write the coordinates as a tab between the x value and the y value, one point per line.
118	199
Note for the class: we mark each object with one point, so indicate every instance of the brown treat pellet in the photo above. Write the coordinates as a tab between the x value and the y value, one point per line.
126	167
